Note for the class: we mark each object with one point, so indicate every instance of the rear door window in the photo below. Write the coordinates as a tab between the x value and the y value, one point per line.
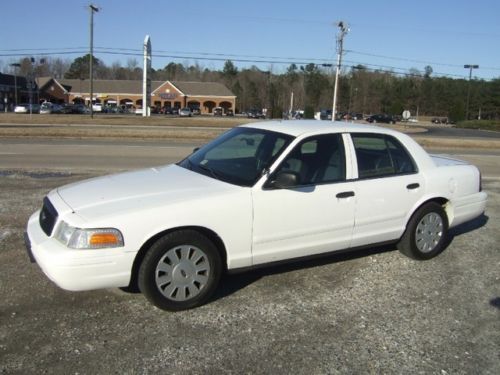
380	155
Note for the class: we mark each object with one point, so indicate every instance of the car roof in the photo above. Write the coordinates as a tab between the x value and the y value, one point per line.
298	128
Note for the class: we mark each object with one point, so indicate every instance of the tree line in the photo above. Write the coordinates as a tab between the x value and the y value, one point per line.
361	90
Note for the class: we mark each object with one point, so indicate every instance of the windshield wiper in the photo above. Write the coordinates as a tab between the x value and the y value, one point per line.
209	170
190	164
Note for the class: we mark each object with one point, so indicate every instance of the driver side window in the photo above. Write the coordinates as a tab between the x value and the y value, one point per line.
316	160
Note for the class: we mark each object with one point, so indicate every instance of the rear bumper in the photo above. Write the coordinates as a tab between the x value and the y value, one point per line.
77	269
468	208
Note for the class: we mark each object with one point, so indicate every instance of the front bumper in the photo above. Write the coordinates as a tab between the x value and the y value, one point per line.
74	269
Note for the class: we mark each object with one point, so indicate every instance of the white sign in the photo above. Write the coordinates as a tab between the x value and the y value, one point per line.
406	114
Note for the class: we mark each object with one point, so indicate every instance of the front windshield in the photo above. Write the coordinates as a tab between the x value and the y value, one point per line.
238	156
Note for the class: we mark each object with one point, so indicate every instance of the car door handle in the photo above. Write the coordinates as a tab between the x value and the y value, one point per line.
345	194
413	186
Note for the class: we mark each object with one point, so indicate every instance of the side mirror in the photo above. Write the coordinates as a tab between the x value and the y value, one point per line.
285	180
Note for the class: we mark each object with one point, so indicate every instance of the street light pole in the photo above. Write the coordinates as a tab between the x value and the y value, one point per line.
470	67
92	9
343	30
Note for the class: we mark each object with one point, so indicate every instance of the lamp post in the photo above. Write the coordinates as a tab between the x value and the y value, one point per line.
15	66
92	9
470	67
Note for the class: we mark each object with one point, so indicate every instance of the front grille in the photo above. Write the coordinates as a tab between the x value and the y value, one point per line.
48	217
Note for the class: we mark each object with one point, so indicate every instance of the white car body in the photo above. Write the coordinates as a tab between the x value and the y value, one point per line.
21	108
254	224
97	107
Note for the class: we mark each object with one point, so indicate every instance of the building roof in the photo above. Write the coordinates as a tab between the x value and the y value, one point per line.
202	88
109	86
106	86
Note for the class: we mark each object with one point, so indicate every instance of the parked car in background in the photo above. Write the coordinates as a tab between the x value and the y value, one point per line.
440	120
97	107
196	111
258	194
255	113
382	118
46	108
325	114
80	109
185	112
175	111
67	108
25	108
229	112
218	111
21	108
49	108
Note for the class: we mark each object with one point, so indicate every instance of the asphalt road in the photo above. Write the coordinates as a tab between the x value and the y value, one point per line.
448	131
88	155
68	155
373	311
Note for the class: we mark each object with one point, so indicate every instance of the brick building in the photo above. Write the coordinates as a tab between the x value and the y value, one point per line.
203	95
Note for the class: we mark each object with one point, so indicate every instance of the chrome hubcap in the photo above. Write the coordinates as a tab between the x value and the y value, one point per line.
429	232
182	273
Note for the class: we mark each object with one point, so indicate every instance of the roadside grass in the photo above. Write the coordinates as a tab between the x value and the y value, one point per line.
456	143
493	125
182	130
110	119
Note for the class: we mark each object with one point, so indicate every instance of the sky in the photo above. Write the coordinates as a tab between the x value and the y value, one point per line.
384	34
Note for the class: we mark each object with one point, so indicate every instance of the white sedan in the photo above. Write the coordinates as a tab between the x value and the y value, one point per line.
260	193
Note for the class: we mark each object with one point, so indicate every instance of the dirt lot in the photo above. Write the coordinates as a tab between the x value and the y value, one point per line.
373	311
370	312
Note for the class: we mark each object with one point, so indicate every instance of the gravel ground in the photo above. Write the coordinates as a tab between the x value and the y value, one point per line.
373	311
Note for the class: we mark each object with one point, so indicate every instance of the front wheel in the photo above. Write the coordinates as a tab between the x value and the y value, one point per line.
426	233
180	271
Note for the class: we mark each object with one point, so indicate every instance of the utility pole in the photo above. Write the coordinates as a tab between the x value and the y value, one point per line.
470	67
343	30
92	9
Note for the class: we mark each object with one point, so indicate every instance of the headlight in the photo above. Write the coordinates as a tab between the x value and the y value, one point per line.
97	238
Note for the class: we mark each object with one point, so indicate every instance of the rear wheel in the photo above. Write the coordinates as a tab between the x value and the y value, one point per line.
426	233
180	271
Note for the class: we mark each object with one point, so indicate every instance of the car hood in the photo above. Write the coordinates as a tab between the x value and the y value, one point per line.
138	189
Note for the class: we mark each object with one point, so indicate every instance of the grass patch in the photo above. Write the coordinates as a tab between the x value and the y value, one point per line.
493	125
112	119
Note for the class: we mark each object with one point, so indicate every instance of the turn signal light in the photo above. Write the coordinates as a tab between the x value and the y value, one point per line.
104	239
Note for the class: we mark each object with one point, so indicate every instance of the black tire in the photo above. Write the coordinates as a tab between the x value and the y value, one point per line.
420	244
180	271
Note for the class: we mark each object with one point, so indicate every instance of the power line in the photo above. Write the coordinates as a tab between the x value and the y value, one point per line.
413	60
392	68
224	57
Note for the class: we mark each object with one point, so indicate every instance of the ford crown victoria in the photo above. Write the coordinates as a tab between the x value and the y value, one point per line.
260	193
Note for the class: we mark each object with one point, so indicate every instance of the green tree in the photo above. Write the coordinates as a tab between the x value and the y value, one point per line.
80	67
229	70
